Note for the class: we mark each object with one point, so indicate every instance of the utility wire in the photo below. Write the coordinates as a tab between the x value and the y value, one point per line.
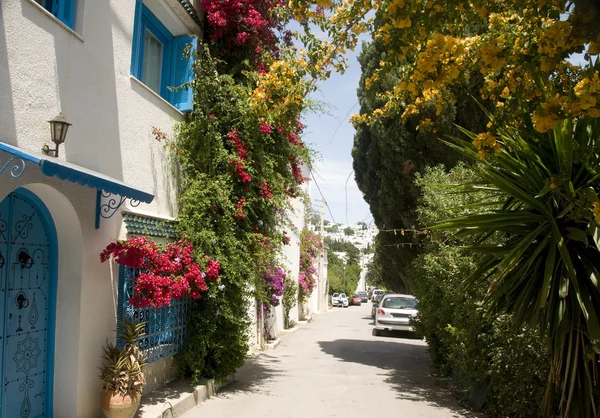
339	125
347	196
323	197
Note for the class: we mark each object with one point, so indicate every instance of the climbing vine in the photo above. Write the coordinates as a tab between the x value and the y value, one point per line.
310	245
239	166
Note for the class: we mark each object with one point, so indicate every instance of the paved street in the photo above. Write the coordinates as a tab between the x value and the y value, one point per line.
334	367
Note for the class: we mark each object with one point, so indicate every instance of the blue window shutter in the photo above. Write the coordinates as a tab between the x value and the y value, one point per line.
66	12
183	73
137	42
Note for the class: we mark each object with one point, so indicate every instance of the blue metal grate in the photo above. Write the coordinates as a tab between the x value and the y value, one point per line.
165	327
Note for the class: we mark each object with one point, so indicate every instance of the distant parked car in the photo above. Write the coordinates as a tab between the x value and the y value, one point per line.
375	304
376	293
335	299
364	298
395	312
343	300
355	300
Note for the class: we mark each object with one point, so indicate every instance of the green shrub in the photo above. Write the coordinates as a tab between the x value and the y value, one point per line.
289	300
492	363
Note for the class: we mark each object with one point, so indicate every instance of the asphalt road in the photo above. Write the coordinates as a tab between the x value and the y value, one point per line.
334	367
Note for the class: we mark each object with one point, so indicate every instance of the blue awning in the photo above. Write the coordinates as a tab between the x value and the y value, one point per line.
53	167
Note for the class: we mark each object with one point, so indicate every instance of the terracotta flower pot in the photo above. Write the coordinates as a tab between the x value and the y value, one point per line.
116	406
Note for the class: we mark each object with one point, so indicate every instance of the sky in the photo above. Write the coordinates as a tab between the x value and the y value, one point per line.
331	135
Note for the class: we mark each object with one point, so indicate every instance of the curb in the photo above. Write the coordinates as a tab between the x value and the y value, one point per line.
272	345
306	320
178	397
290	330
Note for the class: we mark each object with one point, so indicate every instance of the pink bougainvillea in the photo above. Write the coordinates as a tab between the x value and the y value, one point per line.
265	191
241	149
265	128
241	173
310	245
297	171
167	273
247	24
239	209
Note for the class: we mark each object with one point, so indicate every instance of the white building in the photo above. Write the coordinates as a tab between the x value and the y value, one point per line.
105	67
100	65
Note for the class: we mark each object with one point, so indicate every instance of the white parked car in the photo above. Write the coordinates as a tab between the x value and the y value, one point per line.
395	312
343	300
335	299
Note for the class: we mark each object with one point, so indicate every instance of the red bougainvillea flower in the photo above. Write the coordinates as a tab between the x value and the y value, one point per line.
241	149
265	191
243	25
167	273
239	209
297	171
239	170
265	128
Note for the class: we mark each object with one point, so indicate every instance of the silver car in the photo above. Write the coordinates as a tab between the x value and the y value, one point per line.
395	312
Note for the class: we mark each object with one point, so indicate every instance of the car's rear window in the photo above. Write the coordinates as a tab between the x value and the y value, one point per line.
335	295
399	303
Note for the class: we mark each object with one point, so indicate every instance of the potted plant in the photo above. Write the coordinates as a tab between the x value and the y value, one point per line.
122	374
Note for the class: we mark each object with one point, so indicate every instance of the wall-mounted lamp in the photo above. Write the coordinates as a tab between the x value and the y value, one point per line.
58	131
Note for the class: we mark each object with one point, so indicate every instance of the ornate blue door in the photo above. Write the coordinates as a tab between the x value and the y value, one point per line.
27	264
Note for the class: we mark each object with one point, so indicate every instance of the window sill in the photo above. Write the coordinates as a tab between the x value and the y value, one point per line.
158	96
56	20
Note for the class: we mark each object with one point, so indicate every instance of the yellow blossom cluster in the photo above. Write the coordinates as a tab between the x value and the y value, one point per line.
282	88
587	93
550	112
442	59
486	142
521	48
596	209
491	53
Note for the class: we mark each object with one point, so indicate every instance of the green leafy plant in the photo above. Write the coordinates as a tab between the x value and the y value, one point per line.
289	300
492	364
122	370
238	169
544	262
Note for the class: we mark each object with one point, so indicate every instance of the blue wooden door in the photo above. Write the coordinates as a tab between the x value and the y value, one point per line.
27	263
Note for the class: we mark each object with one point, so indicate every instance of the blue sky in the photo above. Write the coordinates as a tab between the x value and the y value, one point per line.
331	135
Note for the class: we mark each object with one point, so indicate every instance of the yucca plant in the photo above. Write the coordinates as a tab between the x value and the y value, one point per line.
122	370
540	251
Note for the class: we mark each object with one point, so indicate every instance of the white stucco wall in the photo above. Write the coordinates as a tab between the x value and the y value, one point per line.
45	69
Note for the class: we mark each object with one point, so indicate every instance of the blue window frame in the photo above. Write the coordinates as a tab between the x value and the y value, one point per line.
165	327
63	10
157	59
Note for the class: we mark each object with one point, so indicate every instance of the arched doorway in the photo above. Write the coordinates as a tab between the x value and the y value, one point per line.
28	259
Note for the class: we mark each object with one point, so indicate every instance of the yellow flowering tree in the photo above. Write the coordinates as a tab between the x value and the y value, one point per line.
520	49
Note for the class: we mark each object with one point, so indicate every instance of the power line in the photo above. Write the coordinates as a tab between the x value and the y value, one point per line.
347	196
339	125
322	197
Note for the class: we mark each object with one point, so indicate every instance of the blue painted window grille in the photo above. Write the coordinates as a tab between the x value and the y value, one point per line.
165	327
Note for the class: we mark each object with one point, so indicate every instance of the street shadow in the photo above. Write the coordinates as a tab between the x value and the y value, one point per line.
407	368
253	376
164	395
399	334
